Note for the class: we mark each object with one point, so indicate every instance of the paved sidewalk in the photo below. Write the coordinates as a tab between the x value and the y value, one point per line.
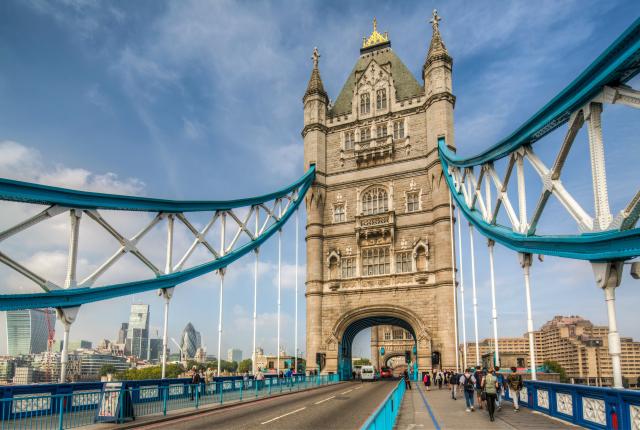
424	410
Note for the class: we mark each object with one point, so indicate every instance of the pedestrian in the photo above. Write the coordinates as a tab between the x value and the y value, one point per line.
490	387
515	385
453	381
427	380
439	378
479	374
500	392
353	375
260	379
195	381
407	382
467	383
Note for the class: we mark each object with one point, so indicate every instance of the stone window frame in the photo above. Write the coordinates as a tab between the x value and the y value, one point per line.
334	255
399	125
348	144
408	260
398	331
348	263
381	99
377	209
381	130
364	133
373	261
336	205
365	103
387	335
418	195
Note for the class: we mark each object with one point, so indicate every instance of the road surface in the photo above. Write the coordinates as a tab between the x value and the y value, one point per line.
341	406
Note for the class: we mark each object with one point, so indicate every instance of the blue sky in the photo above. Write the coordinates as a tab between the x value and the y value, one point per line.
198	99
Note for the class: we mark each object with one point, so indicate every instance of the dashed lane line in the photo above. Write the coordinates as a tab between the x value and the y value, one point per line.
358	387
324	400
348	391
284	415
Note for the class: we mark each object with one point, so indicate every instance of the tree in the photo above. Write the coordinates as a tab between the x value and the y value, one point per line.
107	368
362	362
555	367
245	365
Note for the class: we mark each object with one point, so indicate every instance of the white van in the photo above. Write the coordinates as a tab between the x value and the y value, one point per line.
367	373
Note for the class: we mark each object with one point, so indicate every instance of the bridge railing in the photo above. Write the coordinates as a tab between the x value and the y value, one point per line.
85	407
386	414
590	407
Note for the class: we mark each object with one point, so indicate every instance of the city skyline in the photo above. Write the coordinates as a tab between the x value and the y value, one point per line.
124	84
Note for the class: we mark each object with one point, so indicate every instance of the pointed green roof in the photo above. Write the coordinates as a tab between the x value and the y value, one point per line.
405	83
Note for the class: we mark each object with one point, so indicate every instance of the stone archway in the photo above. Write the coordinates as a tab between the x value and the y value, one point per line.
339	343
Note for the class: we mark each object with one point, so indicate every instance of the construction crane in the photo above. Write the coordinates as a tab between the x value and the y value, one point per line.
51	334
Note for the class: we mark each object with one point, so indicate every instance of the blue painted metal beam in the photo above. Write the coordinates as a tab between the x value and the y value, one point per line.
616	65
43	194
601	246
79	296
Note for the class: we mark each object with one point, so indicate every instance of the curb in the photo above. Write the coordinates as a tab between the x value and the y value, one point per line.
209	409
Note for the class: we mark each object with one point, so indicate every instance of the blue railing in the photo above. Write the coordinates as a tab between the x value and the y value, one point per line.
66	406
386	414
590	407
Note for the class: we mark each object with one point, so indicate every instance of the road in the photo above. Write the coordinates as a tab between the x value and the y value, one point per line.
342	406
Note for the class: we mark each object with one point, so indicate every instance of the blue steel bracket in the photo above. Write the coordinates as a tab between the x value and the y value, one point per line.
87	201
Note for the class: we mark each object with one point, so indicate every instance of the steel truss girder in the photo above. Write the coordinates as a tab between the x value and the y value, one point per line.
603	237
62	200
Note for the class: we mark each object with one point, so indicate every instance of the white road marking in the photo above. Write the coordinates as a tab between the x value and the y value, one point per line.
281	416
322	401
358	388
348	391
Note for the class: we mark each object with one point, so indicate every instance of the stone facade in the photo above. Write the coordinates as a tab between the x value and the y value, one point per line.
378	214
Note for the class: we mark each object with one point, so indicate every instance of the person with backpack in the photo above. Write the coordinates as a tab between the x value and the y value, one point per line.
468	383
515	385
453	381
407	381
490	387
501	383
479	375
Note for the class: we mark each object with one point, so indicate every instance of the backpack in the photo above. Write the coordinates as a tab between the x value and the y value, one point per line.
468	383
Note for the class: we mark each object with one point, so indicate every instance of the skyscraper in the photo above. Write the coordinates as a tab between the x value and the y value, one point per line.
122	333
28	330
138	331
190	341
234	355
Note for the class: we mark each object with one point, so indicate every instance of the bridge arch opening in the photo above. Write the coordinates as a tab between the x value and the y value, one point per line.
345	367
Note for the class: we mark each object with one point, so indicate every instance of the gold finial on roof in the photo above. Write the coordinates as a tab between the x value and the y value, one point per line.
375	38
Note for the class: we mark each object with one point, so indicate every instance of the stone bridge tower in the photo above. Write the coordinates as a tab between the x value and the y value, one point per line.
378	223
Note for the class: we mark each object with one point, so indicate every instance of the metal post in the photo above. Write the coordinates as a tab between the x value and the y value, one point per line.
67	318
455	288
598	172
608	276
475	297
279	289
167	293
64	358
221	272
255	296
494	312
464	324
295	347
525	262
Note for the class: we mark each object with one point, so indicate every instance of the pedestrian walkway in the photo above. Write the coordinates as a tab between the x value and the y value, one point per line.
424	410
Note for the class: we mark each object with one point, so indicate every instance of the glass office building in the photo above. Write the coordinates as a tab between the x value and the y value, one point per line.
138	331
28	331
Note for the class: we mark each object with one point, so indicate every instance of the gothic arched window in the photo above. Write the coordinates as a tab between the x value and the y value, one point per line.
381	99
365	103
374	201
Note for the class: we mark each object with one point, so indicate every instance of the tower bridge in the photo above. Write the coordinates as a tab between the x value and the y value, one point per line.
381	185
